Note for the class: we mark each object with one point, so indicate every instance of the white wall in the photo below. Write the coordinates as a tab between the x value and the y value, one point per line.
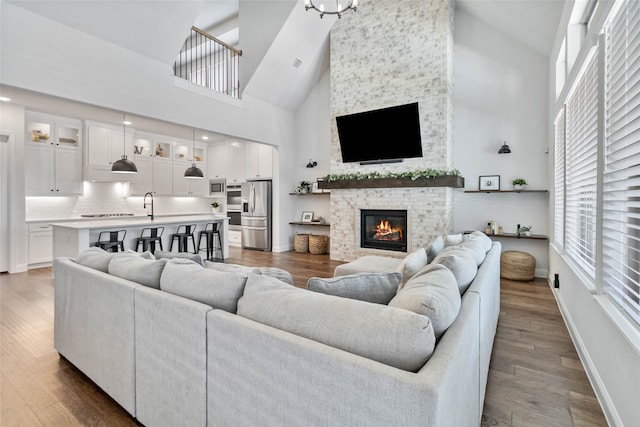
607	342
500	94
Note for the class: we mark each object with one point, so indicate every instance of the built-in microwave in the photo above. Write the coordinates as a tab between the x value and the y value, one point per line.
217	187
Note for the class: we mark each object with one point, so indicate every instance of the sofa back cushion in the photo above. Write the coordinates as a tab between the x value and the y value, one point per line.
96	258
432	292
160	254
215	288
278	273
461	263
377	288
386	334
476	249
132	266
482	238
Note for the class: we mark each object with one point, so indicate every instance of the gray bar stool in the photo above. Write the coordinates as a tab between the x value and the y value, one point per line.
110	240
184	232
148	238
211	230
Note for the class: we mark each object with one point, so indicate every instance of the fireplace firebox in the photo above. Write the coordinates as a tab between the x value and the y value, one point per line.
383	229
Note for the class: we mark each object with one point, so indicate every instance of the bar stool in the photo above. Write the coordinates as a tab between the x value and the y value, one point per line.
148	238
184	232
211	230
110	240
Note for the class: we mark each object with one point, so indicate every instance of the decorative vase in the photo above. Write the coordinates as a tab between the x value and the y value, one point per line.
518	187
215	210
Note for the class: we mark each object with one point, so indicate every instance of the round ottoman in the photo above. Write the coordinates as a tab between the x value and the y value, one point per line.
516	265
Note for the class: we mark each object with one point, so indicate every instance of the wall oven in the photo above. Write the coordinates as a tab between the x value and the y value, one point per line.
217	187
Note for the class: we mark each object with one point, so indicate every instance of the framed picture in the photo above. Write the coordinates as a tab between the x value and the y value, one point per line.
489	183
307	216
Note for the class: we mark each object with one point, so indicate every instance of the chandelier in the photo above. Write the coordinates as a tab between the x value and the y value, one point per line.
353	4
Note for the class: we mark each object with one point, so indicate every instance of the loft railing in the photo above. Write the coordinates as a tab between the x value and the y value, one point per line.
209	62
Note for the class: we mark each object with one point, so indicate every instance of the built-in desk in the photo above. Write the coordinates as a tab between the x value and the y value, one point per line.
71	238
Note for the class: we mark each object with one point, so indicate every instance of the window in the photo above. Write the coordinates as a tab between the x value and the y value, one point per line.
621	180
581	167
558	230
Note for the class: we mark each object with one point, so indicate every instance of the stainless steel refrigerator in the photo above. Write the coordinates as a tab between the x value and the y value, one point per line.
256	215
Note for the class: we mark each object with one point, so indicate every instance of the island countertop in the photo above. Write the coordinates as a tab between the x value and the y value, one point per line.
72	237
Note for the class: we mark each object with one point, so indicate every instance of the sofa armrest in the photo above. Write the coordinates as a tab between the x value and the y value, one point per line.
272	377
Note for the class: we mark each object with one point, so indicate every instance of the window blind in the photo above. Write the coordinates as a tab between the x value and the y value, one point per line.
559	157
581	167
621	180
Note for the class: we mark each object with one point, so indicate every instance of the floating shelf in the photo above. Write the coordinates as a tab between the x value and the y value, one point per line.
310	194
314	224
438	181
522	236
506	191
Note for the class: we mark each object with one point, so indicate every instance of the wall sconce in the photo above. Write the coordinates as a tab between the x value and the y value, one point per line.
312	164
504	149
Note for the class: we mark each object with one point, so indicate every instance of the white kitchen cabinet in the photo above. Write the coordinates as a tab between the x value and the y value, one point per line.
235	238
40	243
154	164
188	186
218	160
106	144
258	161
235	162
51	170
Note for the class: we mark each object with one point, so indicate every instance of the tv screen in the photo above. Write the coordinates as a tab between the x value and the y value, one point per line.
379	136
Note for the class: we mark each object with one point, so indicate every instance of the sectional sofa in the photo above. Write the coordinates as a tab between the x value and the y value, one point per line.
175	343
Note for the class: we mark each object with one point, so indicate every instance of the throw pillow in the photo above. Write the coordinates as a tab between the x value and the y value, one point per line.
483	238
389	335
137	269
215	288
145	254
432	292
277	273
184	255
411	264
96	258
452	240
461	263
434	248
377	288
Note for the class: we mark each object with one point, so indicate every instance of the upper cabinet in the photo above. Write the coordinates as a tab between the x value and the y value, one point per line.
152	155
235	162
53	156
106	144
218	160
258	161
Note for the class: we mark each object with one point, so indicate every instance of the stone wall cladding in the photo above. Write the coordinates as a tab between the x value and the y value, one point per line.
392	53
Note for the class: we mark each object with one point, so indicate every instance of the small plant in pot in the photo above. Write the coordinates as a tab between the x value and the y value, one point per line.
304	187
519	184
215	207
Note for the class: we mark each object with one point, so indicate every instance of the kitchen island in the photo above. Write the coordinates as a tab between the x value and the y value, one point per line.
71	238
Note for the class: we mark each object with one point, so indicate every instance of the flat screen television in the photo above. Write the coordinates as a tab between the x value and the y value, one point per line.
380	136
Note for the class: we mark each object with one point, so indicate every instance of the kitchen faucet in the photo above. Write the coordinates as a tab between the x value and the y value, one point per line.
144	202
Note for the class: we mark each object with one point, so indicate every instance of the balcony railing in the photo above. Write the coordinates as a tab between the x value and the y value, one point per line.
209	62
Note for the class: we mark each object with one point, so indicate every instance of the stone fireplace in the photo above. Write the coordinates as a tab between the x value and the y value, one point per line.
383	229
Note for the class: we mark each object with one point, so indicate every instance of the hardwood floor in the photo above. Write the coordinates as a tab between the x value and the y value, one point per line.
535	378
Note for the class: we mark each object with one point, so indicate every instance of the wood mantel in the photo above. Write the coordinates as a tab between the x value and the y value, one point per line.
451	181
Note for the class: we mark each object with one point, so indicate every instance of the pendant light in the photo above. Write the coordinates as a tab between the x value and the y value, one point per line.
193	172
124	165
504	149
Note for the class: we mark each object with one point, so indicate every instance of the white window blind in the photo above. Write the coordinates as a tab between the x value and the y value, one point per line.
621	181
581	167
558	213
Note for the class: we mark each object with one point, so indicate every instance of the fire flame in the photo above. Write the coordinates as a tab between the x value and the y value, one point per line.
384	231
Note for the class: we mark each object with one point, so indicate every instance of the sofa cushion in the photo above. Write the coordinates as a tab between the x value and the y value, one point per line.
96	258
411	264
368	264
278	273
461	263
377	288
215	288
432	292
476	249
481	237
386	334
159	254
434	248
133	267
453	240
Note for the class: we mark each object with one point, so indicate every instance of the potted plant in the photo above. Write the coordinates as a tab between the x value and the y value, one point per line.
519	184
304	187
215	207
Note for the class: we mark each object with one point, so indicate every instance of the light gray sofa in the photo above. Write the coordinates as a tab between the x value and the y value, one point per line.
169	360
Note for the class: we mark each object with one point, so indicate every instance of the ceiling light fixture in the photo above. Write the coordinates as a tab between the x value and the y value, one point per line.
205	137
4	99
124	165
193	172
504	149
353	4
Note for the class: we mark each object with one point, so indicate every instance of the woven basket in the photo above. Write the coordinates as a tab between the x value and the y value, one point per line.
318	244
516	265
301	243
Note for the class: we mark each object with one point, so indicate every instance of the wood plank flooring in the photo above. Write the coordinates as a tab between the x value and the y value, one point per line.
535	378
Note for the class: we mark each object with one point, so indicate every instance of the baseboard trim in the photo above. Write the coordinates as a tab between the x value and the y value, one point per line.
608	408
